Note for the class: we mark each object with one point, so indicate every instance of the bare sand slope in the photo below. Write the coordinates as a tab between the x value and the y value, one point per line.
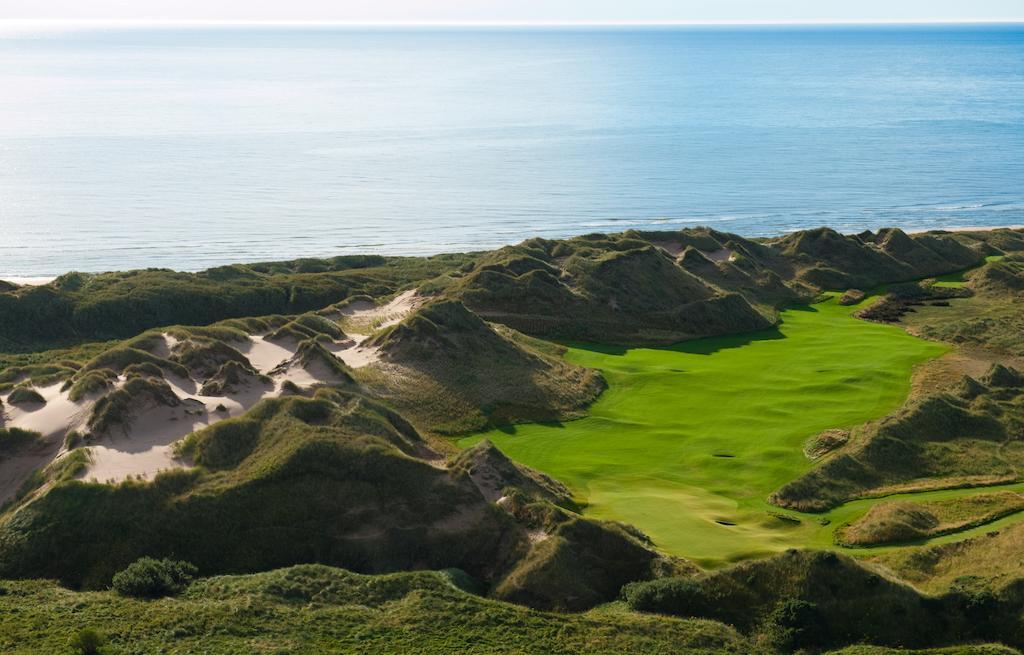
363	318
53	421
145	446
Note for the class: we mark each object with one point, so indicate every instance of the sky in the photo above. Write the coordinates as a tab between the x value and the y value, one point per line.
520	11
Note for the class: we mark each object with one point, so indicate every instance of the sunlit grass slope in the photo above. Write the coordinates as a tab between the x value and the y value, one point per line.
688	441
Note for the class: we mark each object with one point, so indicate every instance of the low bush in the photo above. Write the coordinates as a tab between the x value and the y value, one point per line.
152	578
15	439
87	642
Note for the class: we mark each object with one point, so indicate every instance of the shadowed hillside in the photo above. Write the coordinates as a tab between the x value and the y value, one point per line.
816	600
943	440
453	372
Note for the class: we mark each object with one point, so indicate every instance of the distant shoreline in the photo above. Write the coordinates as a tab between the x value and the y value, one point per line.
39	280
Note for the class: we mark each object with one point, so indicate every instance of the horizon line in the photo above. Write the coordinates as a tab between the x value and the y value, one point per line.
344	23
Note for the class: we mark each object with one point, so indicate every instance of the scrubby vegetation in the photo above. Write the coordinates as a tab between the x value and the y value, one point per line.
820	600
309	610
153	578
13	440
79	306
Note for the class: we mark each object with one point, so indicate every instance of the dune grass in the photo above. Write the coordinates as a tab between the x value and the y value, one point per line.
902	521
688	441
959	278
309	610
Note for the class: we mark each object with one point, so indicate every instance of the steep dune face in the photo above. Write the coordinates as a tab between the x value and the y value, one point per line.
449	369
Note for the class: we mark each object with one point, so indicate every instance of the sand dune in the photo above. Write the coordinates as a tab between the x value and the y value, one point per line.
367	318
144	445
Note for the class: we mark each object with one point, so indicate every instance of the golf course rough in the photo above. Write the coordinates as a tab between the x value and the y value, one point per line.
688	441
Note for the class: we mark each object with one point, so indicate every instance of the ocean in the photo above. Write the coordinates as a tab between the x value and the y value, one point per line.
192	146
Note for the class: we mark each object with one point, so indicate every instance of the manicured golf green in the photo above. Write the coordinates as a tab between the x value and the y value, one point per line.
688	441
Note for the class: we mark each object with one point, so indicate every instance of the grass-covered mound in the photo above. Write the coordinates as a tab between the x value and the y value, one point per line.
988	562
495	475
830	260
119	358
25	396
310	610
336	479
320	362
307	326
990	318
573	563
16	440
121	407
814	600
329	479
452	372
205	357
902	521
78	306
614	289
231	378
942	440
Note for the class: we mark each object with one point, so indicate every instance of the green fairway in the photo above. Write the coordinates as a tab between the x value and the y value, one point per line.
688	441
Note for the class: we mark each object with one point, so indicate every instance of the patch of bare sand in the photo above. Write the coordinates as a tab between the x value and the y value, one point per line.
53	421
265	356
358	316
29	281
368	318
146	446
355	355
164	348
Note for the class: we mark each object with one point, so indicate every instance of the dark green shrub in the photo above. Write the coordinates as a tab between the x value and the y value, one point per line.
152	578
87	642
796	624
674	596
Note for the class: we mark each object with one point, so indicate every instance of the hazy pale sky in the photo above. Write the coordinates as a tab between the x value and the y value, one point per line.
517	11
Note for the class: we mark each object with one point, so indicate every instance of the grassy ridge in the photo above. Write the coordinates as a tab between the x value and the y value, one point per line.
309	610
894	522
81	307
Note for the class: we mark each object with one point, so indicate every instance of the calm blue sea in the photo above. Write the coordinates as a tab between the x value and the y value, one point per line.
190	147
